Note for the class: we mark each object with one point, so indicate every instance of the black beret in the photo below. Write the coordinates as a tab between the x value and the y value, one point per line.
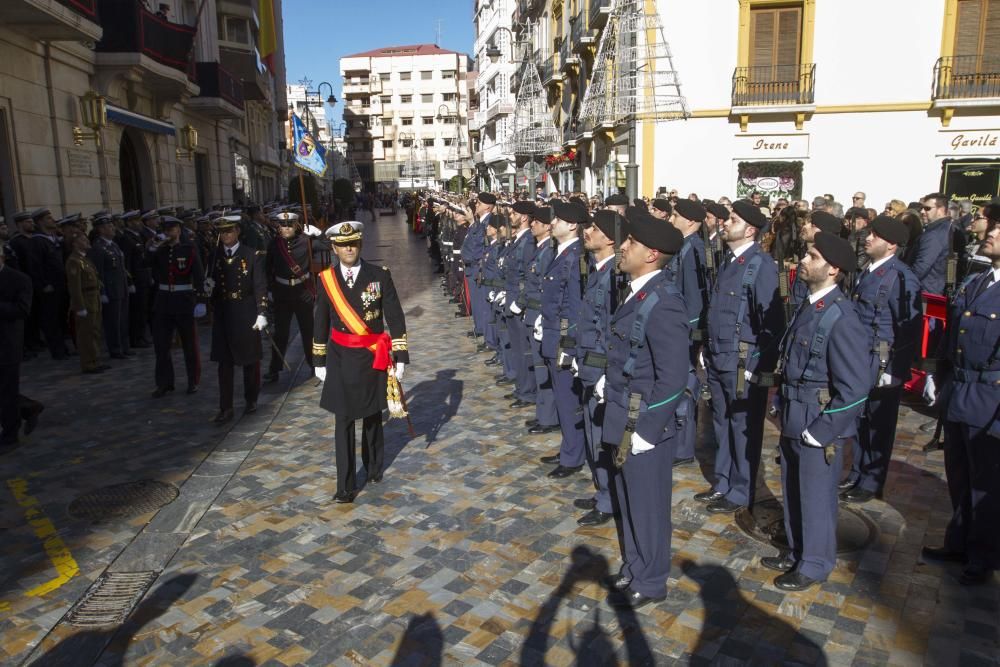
892	230
691	210
837	251
606	219
749	212
525	207
718	210
497	221
825	222
663	205
638	203
652	233
570	211
487	198
616	200
856	212
543	214
577	200
633	211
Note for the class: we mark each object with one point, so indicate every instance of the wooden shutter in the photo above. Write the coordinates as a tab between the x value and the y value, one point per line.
775	36
991	35
967	28
977	33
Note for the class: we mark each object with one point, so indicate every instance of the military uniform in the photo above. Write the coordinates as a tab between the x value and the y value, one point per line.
137	263
294	295
472	250
516	265
109	260
47	269
179	277
545	404
85	295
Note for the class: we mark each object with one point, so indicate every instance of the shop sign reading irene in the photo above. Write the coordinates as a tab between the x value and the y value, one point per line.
767	146
970	142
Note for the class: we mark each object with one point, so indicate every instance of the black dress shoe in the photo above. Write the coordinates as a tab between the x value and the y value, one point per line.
847	483
631	598
683	462
561	471
722	506
709	496
504	382
583	503
376	479
530	422
619	582
345	497
595	517
482	347
783	563
160	392
223	416
554	458
509	396
794	581
250	408
518	404
270	377
469	333
191	389
538	428
975	575
857	495
492	361
943	554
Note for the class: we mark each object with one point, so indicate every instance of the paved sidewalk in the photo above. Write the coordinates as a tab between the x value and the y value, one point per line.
466	553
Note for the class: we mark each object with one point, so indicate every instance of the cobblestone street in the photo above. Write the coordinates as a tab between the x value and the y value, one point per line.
466	553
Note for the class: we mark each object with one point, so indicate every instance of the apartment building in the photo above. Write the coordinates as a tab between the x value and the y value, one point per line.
492	123
406	115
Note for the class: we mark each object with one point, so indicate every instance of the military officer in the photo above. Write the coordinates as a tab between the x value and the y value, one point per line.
816	222
238	290
355	304
645	377
546	419
825	384
85	302
110	262
516	266
555	328
888	301
137	263
744	324
661	209
488	282
970	375
47	269
472	251
179	276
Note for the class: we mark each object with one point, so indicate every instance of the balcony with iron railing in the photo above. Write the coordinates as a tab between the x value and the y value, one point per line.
52	20
568	57
599	12
133	30
975	79
780	87
550	71
580	33
221	93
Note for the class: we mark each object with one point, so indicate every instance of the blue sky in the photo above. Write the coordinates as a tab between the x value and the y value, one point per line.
319	32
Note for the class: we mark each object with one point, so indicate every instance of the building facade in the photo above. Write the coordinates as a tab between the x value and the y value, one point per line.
406	114
193	116
491	124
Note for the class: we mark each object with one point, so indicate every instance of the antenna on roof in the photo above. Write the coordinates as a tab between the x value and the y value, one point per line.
437	36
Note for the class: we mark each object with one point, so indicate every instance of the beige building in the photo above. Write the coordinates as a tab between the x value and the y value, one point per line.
406	112
160	78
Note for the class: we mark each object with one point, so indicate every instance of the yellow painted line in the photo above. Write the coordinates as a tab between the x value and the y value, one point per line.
55	548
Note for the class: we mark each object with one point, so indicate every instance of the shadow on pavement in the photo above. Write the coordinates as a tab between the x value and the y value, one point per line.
238	660
421	644
433	403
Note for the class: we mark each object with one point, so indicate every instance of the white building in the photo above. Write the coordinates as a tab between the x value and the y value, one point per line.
491	124
311	109
406	113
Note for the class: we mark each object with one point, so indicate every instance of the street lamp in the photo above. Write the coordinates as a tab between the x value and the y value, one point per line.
189	142
94	115
403	137
331	100
493	52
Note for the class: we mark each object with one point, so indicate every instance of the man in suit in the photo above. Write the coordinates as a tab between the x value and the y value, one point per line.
238	288
15	309
110	262
356	303
934	244
647	370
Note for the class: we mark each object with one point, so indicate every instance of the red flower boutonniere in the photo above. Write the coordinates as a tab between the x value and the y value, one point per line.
640	296
880	272
740	260
820	305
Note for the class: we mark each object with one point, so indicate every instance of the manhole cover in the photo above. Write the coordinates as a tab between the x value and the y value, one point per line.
120	501
766	523
110	599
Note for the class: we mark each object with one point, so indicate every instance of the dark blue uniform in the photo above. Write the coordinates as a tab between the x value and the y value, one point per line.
545	402
972	422
889	305
516	264
931	253
642	486
473	249
488	281
561	301
109	260
744	321
826	383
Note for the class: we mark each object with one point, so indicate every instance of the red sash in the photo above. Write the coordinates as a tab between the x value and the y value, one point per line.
361	336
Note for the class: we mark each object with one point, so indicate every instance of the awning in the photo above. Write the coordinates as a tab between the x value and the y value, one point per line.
138	121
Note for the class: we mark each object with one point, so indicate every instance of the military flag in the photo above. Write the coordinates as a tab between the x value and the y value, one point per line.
308	154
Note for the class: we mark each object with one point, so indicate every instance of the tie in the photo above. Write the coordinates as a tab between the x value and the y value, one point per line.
229	252
350	278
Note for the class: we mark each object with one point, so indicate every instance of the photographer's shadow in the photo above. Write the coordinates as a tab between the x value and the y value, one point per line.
433	403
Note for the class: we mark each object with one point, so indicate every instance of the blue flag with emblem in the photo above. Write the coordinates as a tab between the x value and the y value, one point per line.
308	154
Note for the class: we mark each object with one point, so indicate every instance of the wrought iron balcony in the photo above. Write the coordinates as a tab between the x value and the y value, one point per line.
131	28
774	85
599	12
221	93
580	31
52	20
967	77
550	70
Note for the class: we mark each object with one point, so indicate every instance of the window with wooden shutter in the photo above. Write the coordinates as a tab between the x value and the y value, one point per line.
977	30
775	67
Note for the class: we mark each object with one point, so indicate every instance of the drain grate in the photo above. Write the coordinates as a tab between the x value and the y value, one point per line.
110	599
766	523
121	501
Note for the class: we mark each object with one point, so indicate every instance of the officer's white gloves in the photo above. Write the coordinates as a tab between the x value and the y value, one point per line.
81	313
884	380
639	445
701	359
492	296
810	441
502	297
320	373
599	389
748	375
260	322
538	328
208	285
200	310
400	368
575	367
930	390
309	230
514	308
104	299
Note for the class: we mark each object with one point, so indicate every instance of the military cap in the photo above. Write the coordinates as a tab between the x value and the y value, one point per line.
100	219
836	251
543	214
21	216
525	207
749	213
718	210
224	222
577	200
606	220
487	198
690	210
892	230
633	211
149	215
100	214
639	203
166	210
170	221
40	213
652	233
128	215
286	217
825	222
616	200
570	212
69	220
497	221
663	205
213	215
856	212
252	209
345	232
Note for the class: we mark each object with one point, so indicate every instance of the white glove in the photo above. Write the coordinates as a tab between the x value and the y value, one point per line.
502	297
701	359
639	445
537	333
575	367
514	308
400	368
309	230
81	313
320	372
104	299
747	375
491	297
599	389
200	310
884	380
131	289
208	285
930	390
260	322
807	439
